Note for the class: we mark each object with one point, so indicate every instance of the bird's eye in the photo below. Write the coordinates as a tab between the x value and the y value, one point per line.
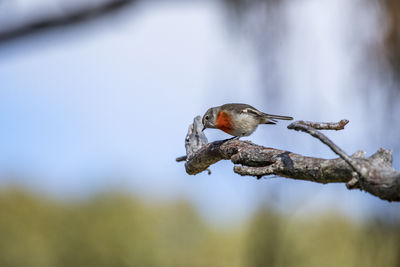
206	117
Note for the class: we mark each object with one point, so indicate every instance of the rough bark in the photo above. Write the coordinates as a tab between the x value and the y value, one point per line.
374	174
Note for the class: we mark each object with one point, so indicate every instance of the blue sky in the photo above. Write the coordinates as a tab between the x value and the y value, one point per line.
107	105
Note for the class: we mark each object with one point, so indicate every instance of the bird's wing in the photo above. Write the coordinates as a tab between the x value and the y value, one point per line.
266	118
253	111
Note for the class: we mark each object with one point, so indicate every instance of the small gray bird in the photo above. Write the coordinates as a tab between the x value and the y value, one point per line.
238	119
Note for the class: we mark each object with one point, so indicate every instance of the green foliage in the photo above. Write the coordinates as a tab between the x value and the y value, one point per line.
117	230
330	240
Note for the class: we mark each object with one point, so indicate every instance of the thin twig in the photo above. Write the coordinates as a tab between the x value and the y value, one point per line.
325	125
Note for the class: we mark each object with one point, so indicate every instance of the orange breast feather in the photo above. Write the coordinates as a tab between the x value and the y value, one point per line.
224	122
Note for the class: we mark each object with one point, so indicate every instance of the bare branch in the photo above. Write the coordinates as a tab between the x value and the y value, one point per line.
262	161
374	174
75	17
301	126
325	125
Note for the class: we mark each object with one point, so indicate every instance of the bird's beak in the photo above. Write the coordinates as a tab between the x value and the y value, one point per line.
204	127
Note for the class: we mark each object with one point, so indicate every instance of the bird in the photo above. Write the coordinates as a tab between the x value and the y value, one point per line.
238	119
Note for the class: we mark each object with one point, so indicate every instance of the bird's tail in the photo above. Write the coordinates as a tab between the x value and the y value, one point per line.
272	119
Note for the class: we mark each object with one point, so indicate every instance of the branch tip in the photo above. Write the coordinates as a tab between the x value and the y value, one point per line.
321	125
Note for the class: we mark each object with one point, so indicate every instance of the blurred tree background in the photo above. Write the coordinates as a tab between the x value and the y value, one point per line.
114	228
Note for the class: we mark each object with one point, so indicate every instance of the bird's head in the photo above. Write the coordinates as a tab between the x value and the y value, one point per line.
209	118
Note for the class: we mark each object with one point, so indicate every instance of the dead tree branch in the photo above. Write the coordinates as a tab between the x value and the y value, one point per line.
307	128
325	125
374	174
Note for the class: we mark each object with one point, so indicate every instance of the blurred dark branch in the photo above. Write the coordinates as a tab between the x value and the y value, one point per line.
391	42
75	17
374	174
